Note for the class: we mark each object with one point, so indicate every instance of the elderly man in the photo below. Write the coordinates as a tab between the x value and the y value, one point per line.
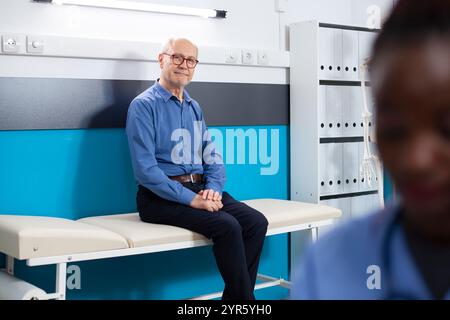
187	190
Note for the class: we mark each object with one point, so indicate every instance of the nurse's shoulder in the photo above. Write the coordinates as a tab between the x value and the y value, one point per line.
340	263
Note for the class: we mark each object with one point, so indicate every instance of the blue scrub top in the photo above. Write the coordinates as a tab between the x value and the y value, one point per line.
366	258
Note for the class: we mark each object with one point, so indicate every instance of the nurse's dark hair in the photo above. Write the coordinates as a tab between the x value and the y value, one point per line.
413	21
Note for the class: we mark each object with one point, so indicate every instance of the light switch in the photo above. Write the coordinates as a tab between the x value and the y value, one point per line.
35	45
232	55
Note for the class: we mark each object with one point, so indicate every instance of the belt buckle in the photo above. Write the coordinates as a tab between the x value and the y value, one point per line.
192	178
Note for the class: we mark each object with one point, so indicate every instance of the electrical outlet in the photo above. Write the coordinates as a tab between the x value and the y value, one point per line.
35	45
248	56
231	56
263	57
10	43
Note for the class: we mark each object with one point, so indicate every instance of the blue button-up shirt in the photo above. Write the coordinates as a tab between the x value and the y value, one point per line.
345	263
159	128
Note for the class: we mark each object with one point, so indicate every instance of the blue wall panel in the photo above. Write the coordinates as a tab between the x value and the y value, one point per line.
78	173
389	195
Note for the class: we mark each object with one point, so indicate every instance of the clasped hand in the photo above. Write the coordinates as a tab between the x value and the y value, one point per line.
208	200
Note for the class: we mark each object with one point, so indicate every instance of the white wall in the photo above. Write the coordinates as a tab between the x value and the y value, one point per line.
250	23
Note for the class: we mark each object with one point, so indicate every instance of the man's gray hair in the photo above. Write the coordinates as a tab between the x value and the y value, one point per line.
167	45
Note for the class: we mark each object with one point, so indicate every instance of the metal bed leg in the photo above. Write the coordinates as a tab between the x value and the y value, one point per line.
10	265
314	234
61	272
267	282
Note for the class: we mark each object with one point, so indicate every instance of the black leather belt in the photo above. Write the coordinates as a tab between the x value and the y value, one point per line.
193	178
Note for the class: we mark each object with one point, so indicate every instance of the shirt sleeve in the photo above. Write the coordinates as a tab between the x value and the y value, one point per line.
213	167
140	132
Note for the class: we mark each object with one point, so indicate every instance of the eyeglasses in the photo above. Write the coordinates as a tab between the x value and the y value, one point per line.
178	59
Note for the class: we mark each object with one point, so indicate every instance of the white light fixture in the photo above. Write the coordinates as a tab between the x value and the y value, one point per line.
139	6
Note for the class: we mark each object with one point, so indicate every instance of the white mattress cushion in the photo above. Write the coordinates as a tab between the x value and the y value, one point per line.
283	213
139	233
279	213
25	237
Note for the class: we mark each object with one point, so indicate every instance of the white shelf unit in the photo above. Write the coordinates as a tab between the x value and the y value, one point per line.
326	106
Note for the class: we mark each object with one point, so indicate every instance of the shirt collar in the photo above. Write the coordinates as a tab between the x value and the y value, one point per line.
186	96
166	94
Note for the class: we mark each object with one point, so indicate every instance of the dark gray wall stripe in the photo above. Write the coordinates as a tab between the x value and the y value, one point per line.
242	103
44	103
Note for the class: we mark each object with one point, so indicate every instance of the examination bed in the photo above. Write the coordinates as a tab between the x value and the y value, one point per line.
44	240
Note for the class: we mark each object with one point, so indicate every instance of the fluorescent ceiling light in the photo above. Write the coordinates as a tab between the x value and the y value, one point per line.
140	6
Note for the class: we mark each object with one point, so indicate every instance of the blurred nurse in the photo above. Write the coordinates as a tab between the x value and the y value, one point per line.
402	252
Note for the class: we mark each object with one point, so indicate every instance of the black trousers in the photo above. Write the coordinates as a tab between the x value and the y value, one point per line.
237	231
